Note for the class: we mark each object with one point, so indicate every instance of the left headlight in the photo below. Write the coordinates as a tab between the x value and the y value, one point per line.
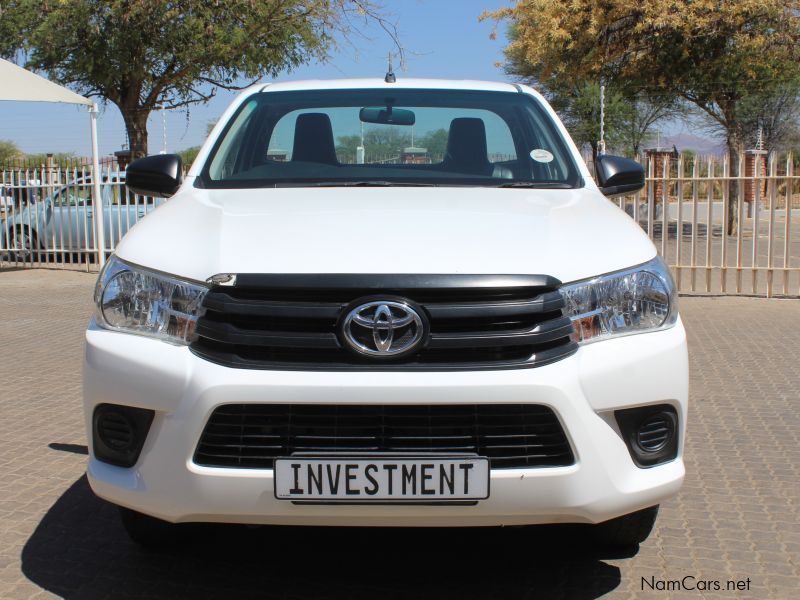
136	300
635	300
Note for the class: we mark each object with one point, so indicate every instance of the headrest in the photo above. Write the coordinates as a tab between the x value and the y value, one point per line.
466	145
313	139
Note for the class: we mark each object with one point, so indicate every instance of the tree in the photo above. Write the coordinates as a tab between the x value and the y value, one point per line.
188	155
435	142
776	112
643	115
713	53
381	142
143	54
8	151
59	159
579	107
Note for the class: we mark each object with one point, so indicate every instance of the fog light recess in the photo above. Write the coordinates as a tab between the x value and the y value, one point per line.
119	432
650	432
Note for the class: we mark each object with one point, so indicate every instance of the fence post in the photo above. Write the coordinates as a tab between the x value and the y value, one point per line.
97	198
787	225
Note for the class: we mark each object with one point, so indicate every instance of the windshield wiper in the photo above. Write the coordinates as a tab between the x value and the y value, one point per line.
365	183
542	185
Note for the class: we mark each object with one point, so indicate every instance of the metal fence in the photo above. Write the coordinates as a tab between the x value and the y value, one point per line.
724	230
721	231
48	217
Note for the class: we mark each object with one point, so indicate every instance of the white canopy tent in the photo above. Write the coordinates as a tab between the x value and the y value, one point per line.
17	84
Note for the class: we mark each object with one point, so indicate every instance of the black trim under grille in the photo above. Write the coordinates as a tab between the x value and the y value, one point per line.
251	436
476	322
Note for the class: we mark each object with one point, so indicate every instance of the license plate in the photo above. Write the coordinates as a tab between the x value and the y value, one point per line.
360	479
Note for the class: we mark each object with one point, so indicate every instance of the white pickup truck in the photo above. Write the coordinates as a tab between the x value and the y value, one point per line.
304	335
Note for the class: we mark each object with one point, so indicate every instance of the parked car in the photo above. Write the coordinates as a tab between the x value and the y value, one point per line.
6	201
465	342
14	196
64	220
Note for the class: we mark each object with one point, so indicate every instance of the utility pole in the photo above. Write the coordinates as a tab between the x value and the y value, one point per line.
360	149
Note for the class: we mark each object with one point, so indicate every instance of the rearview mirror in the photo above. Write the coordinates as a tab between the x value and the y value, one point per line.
386	115
618	176
157	175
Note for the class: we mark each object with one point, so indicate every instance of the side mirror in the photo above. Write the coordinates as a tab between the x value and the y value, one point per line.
618	176
157	175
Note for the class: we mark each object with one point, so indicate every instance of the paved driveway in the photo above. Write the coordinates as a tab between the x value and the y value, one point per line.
737	518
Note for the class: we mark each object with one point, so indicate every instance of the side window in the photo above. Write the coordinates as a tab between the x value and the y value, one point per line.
74	195
121	195
224	162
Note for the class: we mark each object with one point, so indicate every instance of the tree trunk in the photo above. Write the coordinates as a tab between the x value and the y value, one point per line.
136	125
735	149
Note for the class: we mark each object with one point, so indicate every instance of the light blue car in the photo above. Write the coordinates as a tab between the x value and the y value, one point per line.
64	222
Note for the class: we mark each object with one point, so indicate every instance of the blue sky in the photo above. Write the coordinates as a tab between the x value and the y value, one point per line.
443	39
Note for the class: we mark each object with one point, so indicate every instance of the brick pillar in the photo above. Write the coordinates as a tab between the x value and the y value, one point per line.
658	157
123	158
755	165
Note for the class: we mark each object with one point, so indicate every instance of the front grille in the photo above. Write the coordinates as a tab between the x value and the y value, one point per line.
476	321
510	435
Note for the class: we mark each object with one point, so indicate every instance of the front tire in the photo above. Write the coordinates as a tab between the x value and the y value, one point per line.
148	531
627	530
23	243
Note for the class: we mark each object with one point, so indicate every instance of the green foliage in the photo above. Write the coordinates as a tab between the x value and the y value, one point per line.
713	53
188	155
382	142
580	110
435	141
8	151
140	54
60	159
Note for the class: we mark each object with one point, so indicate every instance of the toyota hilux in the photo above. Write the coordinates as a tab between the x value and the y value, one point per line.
386	303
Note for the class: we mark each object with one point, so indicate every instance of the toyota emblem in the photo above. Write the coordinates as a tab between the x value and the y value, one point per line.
383	328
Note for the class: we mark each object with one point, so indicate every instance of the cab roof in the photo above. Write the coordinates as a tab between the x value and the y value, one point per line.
379	83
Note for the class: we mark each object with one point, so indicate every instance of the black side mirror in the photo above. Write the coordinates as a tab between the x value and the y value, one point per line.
158	175
618	176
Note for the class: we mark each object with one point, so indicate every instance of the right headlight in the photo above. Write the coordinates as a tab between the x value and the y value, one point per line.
635	300
136	300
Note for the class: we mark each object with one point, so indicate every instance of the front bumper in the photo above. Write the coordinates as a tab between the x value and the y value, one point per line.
583	390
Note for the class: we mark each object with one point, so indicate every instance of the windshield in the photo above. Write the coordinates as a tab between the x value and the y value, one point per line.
390	137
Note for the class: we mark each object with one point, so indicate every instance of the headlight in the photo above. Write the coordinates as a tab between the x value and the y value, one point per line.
137	300
632	301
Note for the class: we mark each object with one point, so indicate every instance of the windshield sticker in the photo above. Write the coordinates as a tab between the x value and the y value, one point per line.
541	155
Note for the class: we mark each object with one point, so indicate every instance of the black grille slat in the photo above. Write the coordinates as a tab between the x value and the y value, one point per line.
532	434
547	302
291	321
226	303
230	334
544	332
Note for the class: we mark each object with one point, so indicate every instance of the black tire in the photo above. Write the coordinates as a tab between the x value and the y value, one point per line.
22	244
627	530
148	531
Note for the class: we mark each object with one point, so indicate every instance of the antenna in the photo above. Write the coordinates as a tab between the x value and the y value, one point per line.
164	126
390	78
760	139
601	145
